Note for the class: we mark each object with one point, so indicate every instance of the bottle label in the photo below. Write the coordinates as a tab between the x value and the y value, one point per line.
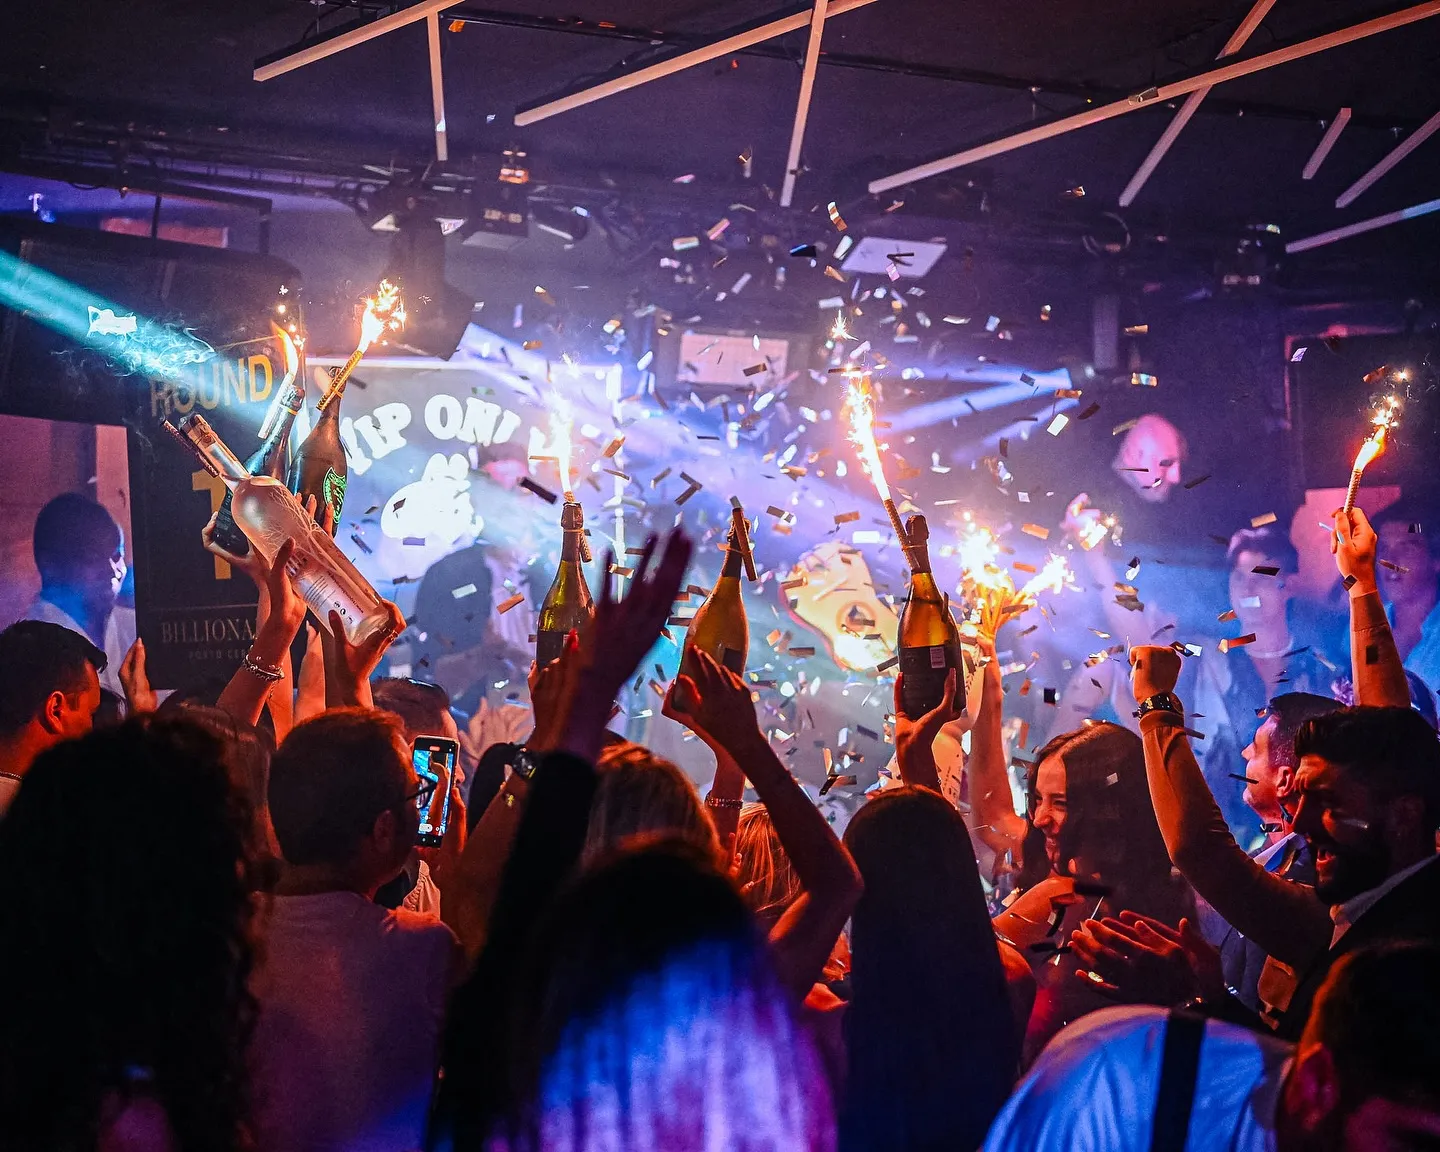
548	646
332	489
924	670
733	659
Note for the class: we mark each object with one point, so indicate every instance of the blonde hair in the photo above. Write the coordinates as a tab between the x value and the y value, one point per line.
768	883
640	794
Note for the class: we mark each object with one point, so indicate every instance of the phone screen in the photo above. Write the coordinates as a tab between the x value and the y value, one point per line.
434	759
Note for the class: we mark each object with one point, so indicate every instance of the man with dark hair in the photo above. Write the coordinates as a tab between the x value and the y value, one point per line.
80	553
1270	765
1368	804
352	995
49	691
1365	1074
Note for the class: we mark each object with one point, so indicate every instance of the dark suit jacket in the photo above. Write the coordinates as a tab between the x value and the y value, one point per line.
1409	911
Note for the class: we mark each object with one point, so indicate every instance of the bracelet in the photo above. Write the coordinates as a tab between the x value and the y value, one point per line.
713	801
269	675
1161	702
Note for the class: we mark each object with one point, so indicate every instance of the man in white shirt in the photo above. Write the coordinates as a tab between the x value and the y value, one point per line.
352	995
1366	1073
80	552
49	690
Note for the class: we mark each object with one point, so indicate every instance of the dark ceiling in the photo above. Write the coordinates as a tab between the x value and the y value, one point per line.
162	90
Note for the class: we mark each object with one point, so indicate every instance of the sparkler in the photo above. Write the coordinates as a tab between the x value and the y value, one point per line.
292	366
383	311
562	422
990	591
1387	413
860	407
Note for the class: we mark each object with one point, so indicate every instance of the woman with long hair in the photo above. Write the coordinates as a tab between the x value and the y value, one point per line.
932	1045
649	1018
1088	845
125	915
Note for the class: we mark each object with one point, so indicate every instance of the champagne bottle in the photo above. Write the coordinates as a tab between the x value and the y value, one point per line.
929	640
319	469
719	627
269	515
568	604
271	459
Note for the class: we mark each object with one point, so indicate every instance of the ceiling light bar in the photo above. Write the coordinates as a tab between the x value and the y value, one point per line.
1391	158
1192	105
437	86
1322	238
1327	142
802	107
1210	76
338	43
702	55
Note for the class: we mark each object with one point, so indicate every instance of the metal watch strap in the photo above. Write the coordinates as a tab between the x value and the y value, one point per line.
713	801
524	763
1161	702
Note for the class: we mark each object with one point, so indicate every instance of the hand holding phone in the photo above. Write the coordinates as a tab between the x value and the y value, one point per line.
434	759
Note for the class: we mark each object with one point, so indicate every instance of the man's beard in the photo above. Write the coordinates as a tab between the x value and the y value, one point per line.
1354	868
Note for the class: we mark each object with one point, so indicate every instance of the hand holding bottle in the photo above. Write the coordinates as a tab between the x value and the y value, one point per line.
349	666
713	702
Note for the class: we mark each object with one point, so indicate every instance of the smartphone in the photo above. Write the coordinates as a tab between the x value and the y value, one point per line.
434	759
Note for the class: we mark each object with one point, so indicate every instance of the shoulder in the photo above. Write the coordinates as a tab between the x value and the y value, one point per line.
419	931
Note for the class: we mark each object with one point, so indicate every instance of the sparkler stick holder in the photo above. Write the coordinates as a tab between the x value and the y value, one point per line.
1353	490
337	382
742	541
900	533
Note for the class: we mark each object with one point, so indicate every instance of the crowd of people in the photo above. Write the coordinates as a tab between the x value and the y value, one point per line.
220	931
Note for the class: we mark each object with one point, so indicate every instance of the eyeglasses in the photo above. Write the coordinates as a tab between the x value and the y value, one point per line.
423	794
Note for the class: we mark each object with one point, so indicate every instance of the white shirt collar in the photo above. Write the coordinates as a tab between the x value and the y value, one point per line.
1344	915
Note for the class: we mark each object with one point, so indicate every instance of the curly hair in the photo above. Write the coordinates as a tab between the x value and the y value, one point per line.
125	920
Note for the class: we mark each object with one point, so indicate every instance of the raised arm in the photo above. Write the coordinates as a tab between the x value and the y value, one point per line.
992	806
1376	668
1284	918
717	701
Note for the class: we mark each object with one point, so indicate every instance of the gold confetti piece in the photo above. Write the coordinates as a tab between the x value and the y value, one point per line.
756	369
1138	330
835	274
544	295
1226	616
886	665
616	570
718	228
1261	521
1378	374
463	591
1028	569
613	447
530	345
1189	484
1036	530
689	492
1125	427
1068	393
685	243
678	621
510	602
802	652
835	217
659	476
617	475
634	551
1237	642
847	517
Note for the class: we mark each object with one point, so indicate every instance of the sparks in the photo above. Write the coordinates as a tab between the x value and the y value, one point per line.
1053	577
383	311
1386	416
838	330
562	422
860	409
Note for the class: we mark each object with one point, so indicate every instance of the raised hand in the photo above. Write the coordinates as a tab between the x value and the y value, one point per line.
1353	546
712	702
915	735
348	667
139	696
1153	670
1132	961
625	630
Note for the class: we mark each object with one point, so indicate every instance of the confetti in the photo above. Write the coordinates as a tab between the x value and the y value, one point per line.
510	602
804	251
1261	521
886	665
1298	355
613	447
846	518
756	369
1226	616
413	541
544	493
1144	380
1265	570
835	217
1190	484
1057	425
685	243
1038	531
1088	411
463	591
359	543
1237	642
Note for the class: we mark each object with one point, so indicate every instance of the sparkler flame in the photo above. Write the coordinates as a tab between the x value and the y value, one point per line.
385	310
292	367
1053	577
860	409
562	421
1387	413
989	591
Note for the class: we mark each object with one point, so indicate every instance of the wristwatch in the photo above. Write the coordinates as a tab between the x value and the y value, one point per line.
1161	702
525	762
